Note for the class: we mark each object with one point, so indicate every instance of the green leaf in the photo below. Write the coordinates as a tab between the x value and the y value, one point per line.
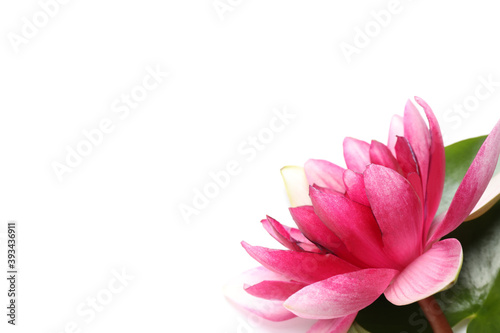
355	328
477	292
385	317
459	157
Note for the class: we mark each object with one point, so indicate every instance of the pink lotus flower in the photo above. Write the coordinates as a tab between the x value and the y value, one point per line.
367	230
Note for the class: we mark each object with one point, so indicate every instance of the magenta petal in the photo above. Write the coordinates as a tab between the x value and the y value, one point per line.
354	224
324	174
355	186
417	133
397	129
298	235
270	310
340	295
336	325
435	181
409	164
489	198
398	211
430	273
406	156
471	188
274	290
416	183
356	154
305	267
278	231
381	155
291	238
314	229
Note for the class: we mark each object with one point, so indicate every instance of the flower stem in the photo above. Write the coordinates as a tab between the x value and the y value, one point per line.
435	315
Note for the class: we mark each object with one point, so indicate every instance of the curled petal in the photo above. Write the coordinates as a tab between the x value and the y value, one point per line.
430	273
340	295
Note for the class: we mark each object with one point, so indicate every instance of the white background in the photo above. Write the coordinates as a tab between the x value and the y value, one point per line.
119	208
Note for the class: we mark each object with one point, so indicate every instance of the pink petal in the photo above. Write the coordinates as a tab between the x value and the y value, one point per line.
490	197
471	188
270	310
398	211
356	154
406	156
396	129
314	229
291	238
435	181
355	185
354	224
417	133
409	164
340	295
430	273
303	267
298	235
381	155
336	325
274	290
416	183
324	174
278	231
310	247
